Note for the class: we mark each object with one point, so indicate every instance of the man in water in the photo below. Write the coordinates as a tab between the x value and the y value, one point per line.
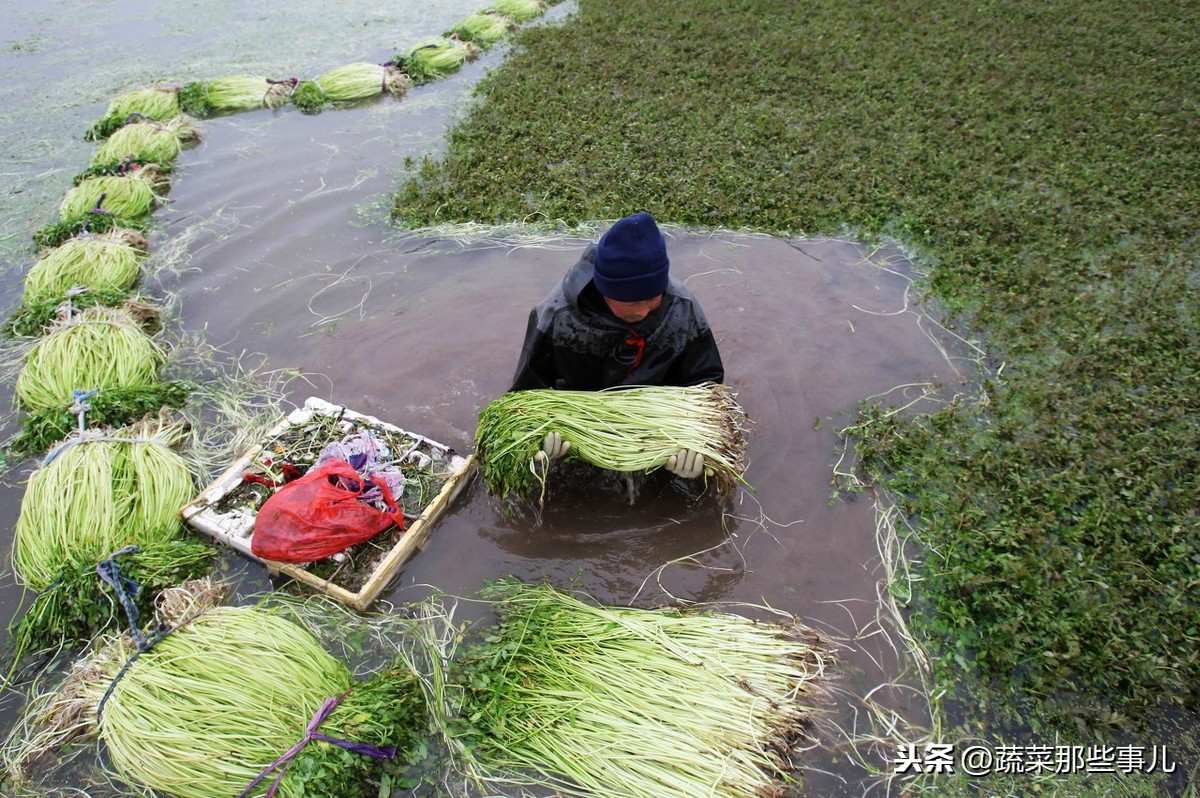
617	318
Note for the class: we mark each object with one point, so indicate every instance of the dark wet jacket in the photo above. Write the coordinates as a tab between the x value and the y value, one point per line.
574	342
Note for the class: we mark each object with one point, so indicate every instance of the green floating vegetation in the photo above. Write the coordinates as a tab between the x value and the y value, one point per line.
358	81
111	407
97	349
101	263
159	103
126	196
619	702
521	11
146	142
207	709
97	493
234	93
483	29
620	429
77	604
435	58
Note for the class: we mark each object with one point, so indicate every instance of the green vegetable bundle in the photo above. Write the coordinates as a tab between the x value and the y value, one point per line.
156	103
210	706
483	29
98	493
357	81
77	604
626	703
127	196
101	262
520	10
98	349
435	58
34	319
95	222
112	407
625	429
234	93
146	141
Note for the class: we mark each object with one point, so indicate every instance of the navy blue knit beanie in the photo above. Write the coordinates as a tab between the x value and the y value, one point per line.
631	260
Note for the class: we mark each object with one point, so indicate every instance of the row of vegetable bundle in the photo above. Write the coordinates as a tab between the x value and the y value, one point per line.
213	700
558	693
90	384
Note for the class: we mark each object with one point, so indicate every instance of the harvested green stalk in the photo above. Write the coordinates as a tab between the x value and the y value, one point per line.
620	702
100	492
78	604
385	709
97	222
435	58
127	196
520	10
483	29
34	319
102	263
210	706
100	348
157	103
357	81
626	429
113	407
147	142
234	93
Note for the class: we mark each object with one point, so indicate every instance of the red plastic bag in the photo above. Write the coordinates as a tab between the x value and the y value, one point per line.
320	514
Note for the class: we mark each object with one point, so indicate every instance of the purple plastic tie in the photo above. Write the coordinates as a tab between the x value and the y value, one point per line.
310	734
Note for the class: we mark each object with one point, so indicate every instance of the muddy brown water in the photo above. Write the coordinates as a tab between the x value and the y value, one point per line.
280	249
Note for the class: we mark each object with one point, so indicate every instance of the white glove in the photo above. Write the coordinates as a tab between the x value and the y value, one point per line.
686	464
553	447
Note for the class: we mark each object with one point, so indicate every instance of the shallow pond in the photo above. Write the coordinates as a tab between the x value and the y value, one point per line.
278	245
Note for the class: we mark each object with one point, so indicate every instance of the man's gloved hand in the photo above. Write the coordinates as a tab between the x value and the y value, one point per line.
686	464
553	447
